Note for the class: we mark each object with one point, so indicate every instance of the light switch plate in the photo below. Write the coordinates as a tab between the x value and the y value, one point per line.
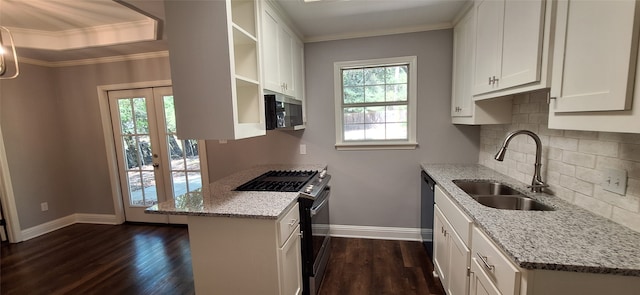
303	149
615	181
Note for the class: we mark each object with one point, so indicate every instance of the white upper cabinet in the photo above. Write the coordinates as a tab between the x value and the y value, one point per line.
596	48
595	72
464	110
215	68
509	44
281	55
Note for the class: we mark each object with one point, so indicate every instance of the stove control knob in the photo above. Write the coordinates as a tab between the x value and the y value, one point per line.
308	189
323	174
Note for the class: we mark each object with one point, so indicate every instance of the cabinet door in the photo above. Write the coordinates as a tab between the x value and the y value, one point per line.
461	96
489	16
290	265
459	256
480	283
298	69
270	68
595	55
440	247
285	54
521	43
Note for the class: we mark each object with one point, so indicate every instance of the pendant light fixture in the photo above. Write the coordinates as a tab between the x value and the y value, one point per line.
7	53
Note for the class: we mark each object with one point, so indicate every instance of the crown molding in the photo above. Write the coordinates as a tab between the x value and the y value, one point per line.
376	33
113	34
92	61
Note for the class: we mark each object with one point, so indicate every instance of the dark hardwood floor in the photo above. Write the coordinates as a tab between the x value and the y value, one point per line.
362	266
148	259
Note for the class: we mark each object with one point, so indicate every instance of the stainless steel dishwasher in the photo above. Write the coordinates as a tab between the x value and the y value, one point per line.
426	212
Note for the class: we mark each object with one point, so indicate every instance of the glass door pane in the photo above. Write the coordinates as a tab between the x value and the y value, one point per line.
184	156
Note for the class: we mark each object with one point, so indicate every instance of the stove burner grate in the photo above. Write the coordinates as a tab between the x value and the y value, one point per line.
278	181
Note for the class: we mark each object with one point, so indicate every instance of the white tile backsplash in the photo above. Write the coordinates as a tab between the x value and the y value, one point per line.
572	161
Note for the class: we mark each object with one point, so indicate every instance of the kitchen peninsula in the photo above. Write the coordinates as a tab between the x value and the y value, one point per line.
242	242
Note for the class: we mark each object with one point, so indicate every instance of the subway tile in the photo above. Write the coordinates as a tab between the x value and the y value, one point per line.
576	185
589	175
620	137
529	108
544	130
604	148
521	98
626	218
553	154
629	203
633	187
594	205
562	168
515	109
562	193
632	168
552	177
517	156
568	144
630	152
526	126
579	159
539	118
525	168
538	96
520	118
581	134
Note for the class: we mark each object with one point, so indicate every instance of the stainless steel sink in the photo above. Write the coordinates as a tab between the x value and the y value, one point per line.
500	196
478	187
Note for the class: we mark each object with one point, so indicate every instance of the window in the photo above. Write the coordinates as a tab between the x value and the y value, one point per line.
376	103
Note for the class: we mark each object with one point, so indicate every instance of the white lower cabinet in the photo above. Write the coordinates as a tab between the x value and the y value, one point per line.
487	270
451	250
246	255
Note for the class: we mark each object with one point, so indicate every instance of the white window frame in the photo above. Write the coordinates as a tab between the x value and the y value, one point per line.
410	142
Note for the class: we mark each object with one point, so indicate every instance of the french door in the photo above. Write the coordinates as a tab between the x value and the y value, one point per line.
153	164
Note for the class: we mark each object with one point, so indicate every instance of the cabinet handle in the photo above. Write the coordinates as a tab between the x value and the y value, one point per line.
549	98
490	81
495	80
292	223
488	266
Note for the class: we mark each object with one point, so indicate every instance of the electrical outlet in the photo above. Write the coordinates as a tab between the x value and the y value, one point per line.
615	181
44	206
222	141
303	149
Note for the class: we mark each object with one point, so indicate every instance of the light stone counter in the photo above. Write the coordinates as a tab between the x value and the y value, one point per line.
567	239
220	199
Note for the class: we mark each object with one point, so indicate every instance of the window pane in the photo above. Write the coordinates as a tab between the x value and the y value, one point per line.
353	95
191	153
194	181
353	132
169	113
374	76
396	131
353	77
179	181
396	92
374	115
132	157
353	115
126	116
374	131
397	74
144	143
140	111
374	93
396	114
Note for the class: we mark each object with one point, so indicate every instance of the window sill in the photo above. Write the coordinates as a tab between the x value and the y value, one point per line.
355	146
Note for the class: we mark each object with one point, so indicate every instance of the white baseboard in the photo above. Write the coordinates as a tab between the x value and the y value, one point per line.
376	232
59	223
96	218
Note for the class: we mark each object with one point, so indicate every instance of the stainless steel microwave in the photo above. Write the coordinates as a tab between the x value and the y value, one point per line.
282	112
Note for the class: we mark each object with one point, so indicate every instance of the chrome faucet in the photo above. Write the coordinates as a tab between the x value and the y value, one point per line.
536	183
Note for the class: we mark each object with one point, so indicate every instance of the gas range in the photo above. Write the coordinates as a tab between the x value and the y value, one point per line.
279	181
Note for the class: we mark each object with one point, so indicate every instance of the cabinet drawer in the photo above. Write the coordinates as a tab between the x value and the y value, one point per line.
460	222
497	267
287	224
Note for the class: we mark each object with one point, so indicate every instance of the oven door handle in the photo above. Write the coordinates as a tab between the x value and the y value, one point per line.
315	209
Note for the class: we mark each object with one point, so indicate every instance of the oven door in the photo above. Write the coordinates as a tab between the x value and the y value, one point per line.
320	239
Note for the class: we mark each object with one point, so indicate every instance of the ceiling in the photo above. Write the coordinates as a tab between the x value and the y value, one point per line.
62	30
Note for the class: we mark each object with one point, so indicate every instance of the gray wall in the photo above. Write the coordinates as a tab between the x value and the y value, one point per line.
34	141
53	135
370	188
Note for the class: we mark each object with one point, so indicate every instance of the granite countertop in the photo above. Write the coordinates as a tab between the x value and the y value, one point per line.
219	198
567	239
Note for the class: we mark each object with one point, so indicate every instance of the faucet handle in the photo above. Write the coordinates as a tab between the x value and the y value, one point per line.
537	188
